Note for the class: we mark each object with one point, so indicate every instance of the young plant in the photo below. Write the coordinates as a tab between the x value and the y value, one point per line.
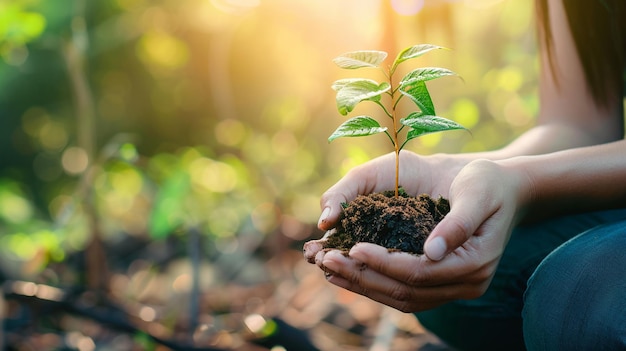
352	91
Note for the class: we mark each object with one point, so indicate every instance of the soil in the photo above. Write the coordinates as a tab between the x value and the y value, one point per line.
398	223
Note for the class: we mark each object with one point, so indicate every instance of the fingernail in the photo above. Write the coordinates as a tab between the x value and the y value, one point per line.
436	248
324	216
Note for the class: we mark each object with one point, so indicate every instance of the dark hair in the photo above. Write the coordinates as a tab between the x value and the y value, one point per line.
599	31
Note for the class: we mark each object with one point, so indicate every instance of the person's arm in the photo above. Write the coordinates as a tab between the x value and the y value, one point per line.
575	180
579	160
571	162
488	198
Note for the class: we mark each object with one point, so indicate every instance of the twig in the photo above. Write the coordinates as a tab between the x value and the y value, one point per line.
386	330
74	52
59	300
193	243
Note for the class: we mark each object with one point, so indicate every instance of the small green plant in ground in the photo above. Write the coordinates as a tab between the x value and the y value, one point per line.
352	91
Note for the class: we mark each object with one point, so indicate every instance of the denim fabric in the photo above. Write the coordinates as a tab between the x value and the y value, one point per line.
576	299
494	321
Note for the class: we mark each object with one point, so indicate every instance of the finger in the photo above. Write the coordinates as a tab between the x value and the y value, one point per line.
361	180
343	191
403	305
312	247
419	270
465	217
352	275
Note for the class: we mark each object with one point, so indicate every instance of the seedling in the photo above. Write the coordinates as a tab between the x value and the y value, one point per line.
352	91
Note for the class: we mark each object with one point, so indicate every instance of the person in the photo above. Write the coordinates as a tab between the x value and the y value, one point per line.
532	254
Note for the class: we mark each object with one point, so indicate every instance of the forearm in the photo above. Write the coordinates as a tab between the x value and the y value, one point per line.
542	139
573	180
547	138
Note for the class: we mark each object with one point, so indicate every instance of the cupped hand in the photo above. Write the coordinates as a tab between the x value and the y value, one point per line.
418	175
461	254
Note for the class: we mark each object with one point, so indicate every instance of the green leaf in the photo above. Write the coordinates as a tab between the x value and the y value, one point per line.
425	124
351	92
425	74
339	84
418	93
166	215
413	52
360	59
17	26
356	127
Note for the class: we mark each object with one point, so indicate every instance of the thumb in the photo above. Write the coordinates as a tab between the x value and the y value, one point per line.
453	230
359	180
331	204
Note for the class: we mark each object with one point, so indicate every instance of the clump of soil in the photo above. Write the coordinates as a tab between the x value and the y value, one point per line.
398	223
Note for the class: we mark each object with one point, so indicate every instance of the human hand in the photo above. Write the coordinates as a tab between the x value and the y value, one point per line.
461	254
418	175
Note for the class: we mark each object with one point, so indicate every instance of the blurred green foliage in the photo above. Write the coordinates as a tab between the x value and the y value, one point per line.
213	114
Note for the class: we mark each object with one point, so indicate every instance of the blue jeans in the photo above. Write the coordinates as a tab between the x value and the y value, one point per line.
568	271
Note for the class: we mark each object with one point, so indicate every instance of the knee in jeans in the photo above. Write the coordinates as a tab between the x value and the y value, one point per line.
575	298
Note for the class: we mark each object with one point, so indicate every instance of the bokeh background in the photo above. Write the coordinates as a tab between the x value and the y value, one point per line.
161	162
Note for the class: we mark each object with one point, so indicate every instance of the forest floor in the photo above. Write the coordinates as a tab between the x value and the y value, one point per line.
166	295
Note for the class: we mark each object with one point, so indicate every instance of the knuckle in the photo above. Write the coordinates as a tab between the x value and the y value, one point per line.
400	293
356	275
326	197
461	227
418	277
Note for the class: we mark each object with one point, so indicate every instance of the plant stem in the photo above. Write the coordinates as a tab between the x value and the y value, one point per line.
396	143
384	109
75	52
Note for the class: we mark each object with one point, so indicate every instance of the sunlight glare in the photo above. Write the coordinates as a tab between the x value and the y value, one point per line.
53	136
147	314
14	208
213	175
74	160
407	7
224	222
235	6
481	4
230	132
465	112
264	217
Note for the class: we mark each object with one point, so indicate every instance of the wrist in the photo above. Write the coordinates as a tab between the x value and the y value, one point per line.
518	170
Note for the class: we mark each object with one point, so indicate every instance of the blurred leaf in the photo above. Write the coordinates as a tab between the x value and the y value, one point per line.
162	50
18	26
145	341
418	93
14	206
128	152
357	126
413	52
360	59
352	91
167	214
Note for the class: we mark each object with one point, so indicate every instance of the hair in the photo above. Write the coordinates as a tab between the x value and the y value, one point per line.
599	31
